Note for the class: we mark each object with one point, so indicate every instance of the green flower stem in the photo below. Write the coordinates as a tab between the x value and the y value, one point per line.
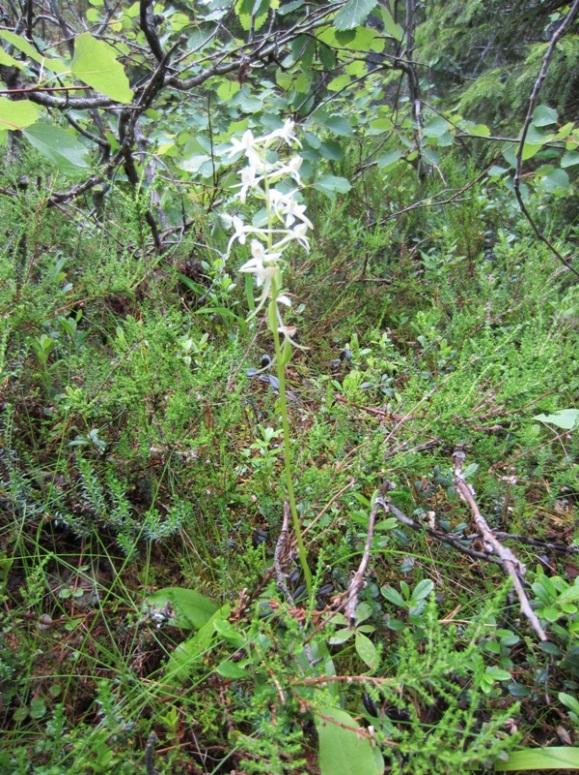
287	453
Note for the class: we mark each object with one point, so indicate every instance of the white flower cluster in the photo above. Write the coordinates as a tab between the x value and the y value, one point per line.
286	219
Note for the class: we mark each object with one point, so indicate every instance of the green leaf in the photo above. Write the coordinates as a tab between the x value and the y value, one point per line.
436	127
570	595
95	63
59	145
354	13
566	419
556	758
338	125
479	130
569	701
37	708
229	669
393	596
332	184
188	653
356	69
340	636
497	674
8	61
227	89
338	83
332	150
536	136
289	7
422	590
27	48
366	39
190	608
17	114
345	749
390	26
570	158
543	115
366	650
231	634
557	180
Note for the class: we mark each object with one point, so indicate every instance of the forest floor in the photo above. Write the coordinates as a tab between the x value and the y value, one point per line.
140	451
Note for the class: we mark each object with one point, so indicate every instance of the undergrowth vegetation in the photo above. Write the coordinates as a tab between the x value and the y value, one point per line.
288	387
142	487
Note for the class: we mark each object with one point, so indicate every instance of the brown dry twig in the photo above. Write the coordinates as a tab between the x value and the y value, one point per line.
513	567
358	579
456	543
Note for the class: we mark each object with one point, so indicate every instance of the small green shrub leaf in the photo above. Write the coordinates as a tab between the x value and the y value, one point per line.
367	651
32	53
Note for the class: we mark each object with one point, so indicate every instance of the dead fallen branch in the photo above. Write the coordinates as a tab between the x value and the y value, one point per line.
512	566
548	546
357	581
445	538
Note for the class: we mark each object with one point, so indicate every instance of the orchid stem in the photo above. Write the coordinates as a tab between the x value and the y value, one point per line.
287	452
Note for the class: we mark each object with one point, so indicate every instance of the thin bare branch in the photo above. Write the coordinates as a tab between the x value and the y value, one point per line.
512	566
358	579
557	35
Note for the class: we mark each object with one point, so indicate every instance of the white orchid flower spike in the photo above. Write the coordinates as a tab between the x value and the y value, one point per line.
287	222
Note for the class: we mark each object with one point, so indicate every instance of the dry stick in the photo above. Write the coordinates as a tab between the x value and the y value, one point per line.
440	536
551	546
357	581
513	567
557	35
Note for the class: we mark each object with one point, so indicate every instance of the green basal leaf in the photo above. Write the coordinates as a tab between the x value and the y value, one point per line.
344	747
568	419
189	607
530	759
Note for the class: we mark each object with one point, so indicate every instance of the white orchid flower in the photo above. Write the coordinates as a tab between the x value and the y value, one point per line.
245	145
263	266
292	168
249	180
297	233
287	133
288	206
241	230
287	221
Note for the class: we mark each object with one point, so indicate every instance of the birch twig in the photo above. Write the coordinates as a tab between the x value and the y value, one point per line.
357	581
512	566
